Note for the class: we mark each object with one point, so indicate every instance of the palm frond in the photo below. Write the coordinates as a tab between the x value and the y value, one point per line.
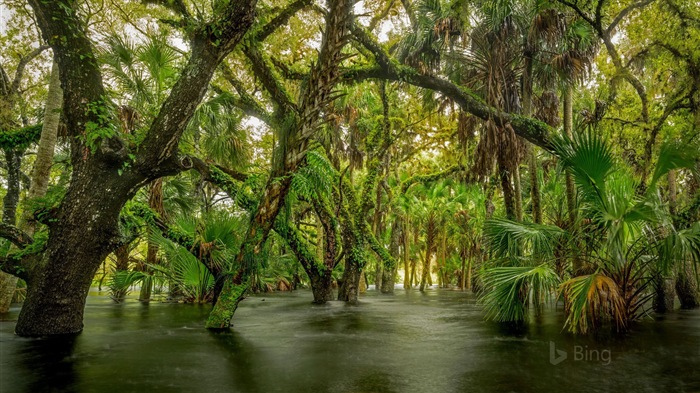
510	290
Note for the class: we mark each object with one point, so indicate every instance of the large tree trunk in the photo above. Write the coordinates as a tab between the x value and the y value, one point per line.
40	174
81	236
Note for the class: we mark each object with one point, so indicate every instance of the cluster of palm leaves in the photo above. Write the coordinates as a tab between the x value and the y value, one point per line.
624	240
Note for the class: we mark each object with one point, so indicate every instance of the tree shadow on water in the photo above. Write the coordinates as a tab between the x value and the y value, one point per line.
242	358
51	363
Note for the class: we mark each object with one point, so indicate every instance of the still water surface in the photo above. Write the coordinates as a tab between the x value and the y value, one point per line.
408	342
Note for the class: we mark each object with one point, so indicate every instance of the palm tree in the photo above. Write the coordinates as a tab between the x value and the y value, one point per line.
629	240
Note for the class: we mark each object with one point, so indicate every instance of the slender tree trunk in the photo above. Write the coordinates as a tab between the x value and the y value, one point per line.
406	262
155	202
389	272
570	188
518	200
463	278
569	131
429	240
508	197
534	185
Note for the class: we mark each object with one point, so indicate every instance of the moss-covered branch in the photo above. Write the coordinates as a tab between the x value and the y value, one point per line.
430	177
20	139
15	235
533	130
388	261
281	19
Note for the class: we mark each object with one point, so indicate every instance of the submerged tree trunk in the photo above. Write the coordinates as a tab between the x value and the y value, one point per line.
84	227
304	121
664	294
155	202
687	288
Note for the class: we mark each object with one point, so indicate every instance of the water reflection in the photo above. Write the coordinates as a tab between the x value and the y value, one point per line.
432	342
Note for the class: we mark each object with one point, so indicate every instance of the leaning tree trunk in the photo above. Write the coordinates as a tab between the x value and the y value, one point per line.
304	121
84	227
40	174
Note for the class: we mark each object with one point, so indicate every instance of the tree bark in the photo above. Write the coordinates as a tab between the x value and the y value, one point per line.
8	283
84	227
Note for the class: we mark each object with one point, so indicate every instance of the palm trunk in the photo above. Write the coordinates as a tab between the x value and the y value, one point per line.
508	197
518	197
389	272
406	264
155	202
687	288
672	193
429	241
534	186
570	188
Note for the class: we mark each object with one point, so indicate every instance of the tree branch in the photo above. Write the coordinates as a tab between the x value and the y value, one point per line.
610	29
533	130
15	235
23	61
210	44
270	80
281	19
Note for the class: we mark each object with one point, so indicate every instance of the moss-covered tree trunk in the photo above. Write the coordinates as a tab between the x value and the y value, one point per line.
13	161
297	126
83	228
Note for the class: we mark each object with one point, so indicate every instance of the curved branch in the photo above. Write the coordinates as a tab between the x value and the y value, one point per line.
624	13
23	64
533	130
281	18
15	235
